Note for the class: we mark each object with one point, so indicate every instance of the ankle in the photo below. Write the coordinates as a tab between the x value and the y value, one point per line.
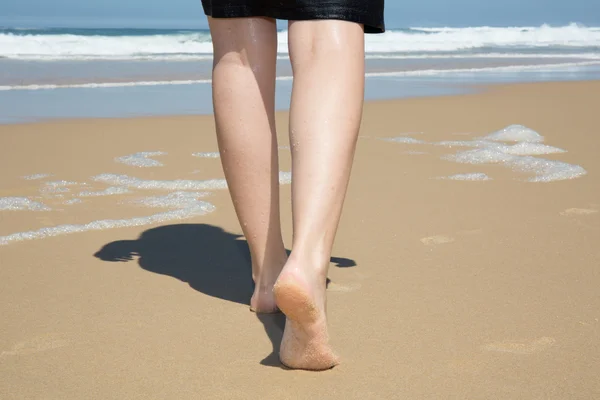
317	263
267	270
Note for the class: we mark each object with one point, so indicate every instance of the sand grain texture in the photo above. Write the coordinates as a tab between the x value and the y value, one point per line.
460	289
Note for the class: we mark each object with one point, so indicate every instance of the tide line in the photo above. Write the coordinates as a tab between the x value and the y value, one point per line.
424	72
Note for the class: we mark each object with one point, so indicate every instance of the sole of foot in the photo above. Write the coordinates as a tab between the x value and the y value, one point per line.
305	342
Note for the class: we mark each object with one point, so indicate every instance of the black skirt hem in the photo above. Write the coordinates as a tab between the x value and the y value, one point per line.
372	25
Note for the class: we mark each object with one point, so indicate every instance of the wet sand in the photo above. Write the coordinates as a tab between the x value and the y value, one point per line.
439	288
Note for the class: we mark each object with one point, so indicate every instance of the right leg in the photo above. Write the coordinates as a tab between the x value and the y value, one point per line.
245	51
328	63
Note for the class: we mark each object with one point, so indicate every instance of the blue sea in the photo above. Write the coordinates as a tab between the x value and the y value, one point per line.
86	72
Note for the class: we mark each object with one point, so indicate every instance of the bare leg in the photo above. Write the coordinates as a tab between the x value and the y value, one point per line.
326	109
245	51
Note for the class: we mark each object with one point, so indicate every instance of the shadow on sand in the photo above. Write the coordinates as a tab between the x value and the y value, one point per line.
209	259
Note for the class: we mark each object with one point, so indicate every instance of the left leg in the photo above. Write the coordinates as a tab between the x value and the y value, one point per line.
245	51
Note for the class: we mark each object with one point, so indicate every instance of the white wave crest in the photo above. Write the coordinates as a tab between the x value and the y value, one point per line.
559	66
194	45
455	39
96	46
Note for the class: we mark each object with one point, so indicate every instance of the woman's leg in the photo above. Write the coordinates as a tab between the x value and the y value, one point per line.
327	98
245	54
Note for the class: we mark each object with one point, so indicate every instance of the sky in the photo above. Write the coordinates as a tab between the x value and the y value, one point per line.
398	13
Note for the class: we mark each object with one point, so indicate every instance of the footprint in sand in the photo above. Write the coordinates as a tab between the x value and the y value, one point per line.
435	240
35	345
578	211
535	346
343	287
470	232
442	239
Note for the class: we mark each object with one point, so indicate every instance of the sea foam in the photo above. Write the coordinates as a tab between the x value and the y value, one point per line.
72	201
141	159
403	139
58	186
177	199
518	156
21	203
200	208
546	170
462	143
531	149
35	177
178	184
473	176
515	133
185	206
210	154
113	190
512	147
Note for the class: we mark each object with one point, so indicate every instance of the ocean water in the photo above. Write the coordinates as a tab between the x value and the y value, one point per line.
79	72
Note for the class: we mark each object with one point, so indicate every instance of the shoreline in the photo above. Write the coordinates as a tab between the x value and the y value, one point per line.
453	89
408	67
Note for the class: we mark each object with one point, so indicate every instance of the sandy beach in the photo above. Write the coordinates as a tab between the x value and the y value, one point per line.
452	277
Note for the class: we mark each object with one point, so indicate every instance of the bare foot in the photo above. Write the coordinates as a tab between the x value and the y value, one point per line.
301	297
263	298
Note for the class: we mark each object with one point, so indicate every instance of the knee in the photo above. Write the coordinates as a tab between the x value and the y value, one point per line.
327	42
318	48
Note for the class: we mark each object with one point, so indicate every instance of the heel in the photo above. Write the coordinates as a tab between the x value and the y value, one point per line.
295	302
